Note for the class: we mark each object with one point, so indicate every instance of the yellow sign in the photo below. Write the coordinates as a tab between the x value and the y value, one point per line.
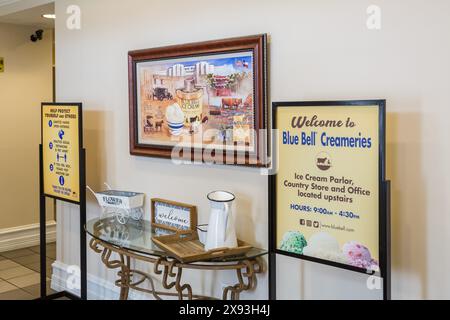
327	198
2	64
61	145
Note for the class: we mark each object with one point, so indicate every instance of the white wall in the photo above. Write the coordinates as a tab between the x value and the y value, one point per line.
26	82
7	7
318	50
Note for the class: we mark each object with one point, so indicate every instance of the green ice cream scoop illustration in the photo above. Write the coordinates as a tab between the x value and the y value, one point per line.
293	241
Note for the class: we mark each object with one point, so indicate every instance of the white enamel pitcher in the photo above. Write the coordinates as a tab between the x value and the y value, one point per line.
221	228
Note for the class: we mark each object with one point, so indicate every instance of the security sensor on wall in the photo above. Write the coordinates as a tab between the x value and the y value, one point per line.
37	35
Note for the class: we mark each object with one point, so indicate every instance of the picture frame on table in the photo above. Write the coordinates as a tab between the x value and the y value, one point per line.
201	101
173	216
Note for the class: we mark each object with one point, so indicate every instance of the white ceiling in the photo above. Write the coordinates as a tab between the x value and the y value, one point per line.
7	2
30	17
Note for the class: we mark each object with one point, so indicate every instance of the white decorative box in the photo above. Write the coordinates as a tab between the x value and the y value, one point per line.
120	199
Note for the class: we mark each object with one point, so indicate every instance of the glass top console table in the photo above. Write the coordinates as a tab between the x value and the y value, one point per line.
134	241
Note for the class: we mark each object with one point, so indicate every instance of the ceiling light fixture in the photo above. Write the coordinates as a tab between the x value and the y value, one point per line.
49	16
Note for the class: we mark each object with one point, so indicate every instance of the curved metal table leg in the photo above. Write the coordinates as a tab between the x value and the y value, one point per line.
123	264
246	279
125	277
168	272
172	271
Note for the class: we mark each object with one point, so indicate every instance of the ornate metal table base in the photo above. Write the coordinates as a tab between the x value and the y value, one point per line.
171	271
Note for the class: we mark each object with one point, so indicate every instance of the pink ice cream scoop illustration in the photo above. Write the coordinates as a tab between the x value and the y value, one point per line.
358	255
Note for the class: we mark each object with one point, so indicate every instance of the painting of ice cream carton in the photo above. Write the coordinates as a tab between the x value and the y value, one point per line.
211	99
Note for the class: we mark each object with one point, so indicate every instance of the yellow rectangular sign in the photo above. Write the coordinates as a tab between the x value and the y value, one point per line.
327	184
2	64
61	146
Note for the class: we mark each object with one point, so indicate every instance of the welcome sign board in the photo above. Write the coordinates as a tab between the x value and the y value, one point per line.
330	166
171	215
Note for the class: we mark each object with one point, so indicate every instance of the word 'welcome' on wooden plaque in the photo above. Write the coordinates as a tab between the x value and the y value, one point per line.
174	216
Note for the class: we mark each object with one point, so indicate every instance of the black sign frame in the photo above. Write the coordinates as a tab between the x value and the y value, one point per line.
81	203
80	142
384	198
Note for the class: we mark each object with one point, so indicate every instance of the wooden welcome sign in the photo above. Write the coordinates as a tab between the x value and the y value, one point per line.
174	216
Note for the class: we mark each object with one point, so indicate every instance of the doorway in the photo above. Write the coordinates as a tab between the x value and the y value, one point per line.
27	74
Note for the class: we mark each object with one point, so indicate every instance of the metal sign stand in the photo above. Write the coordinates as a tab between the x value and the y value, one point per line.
43	236
386	238
43	218
384	216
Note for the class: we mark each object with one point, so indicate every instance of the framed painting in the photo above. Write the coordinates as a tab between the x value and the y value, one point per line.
202	101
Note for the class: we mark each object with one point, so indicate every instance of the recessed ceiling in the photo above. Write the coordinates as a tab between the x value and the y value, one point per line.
31	17
7	2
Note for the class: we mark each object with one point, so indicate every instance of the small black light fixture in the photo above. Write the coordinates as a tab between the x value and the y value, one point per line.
37	35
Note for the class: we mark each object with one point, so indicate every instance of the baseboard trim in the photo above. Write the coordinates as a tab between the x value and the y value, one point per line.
97	288
25	236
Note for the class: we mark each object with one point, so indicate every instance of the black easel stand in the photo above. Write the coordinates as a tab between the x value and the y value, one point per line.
386	238
272	241
385	243
43	241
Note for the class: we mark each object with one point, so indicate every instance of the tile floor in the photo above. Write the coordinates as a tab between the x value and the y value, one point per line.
19	273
